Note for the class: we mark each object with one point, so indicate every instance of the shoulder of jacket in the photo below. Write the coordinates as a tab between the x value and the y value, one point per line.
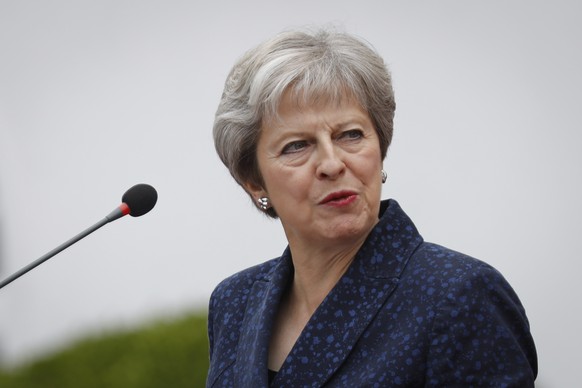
242	281
440	257
443	271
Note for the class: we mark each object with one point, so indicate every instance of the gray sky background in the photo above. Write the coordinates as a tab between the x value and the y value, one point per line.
97	96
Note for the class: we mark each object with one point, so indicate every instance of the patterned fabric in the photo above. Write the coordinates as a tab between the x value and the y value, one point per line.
405	314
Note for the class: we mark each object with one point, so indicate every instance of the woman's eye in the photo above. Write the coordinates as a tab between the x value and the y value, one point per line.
293	147
352	134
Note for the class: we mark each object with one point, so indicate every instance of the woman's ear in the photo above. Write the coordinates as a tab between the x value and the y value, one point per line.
256	191
260	197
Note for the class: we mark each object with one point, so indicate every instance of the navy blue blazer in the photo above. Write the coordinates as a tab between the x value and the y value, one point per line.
405	314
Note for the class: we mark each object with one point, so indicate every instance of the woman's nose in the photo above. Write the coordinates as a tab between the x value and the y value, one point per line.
330	164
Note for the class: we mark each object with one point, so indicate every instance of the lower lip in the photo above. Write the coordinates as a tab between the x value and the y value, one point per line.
341	202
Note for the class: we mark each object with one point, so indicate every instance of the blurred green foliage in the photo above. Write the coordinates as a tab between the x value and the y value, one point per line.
170	353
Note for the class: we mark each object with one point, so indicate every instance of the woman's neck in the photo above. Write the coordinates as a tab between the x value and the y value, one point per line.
317	271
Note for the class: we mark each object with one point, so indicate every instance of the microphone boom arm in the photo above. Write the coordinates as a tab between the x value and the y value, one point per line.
119	212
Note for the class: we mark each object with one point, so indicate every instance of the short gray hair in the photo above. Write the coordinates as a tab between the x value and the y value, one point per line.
322	64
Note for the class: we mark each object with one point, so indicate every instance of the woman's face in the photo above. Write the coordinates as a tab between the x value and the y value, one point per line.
321	166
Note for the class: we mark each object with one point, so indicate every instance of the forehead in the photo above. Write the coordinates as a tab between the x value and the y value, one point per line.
297	103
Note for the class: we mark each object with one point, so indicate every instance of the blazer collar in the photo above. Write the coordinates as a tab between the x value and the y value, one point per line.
342	317
263	301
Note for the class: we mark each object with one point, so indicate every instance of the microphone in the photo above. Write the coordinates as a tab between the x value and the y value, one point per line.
136	202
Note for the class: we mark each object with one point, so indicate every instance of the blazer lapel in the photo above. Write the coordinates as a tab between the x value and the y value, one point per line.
250	368
333	330
343	316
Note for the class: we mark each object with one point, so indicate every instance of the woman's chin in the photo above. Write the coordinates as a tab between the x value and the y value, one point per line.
346	228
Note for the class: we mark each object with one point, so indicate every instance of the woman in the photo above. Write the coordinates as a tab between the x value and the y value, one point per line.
357	298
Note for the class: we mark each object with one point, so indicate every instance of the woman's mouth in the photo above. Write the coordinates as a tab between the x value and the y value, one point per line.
339	198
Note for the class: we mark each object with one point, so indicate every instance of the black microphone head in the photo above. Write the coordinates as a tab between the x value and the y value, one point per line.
140	199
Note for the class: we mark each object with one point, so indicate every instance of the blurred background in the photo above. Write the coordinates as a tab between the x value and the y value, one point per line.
96	96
